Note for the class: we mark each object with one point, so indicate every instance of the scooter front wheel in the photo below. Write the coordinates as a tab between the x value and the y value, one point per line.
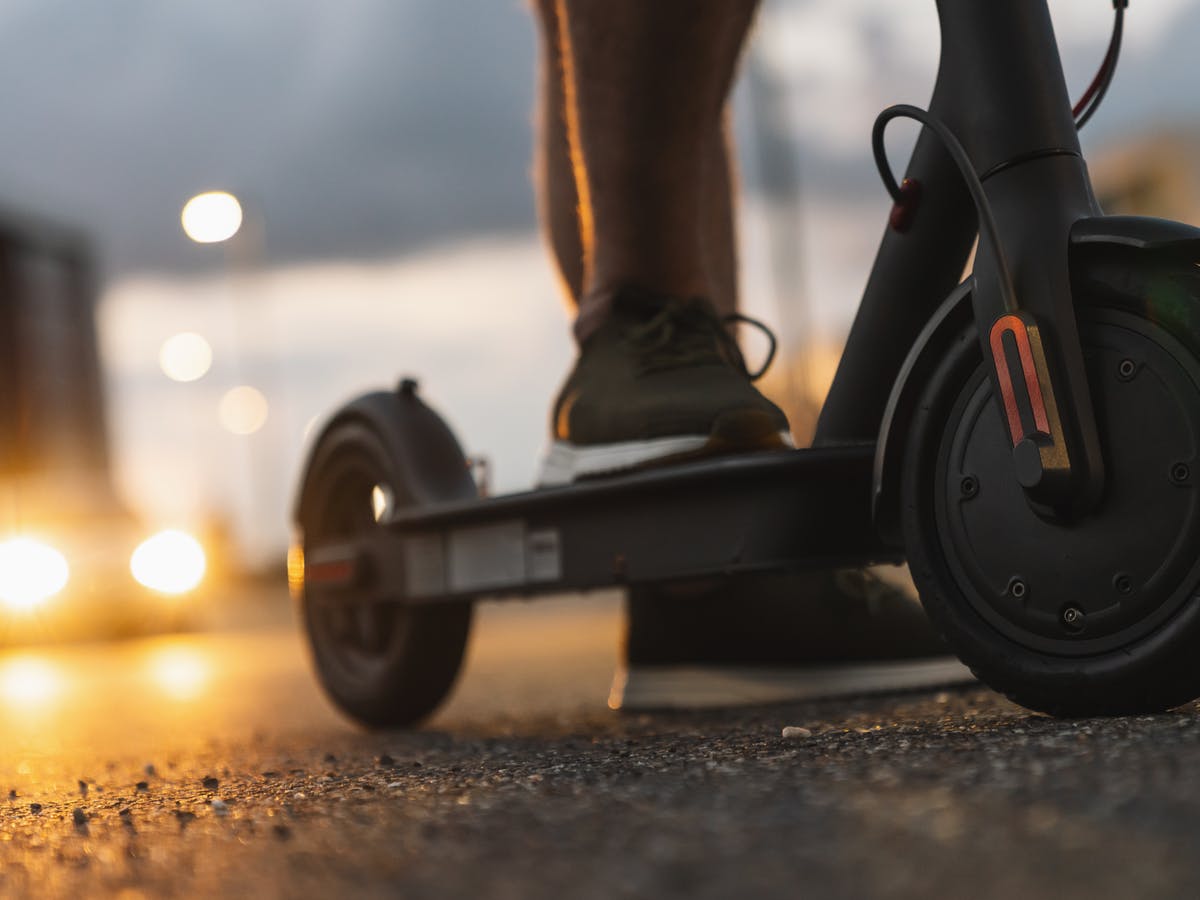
1090	617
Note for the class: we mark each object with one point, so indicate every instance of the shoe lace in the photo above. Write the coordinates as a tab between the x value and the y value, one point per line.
688	331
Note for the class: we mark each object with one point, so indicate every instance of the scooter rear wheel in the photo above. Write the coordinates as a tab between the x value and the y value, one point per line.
384	662
1096	616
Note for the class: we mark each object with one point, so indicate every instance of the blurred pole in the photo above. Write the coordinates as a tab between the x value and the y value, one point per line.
244	254
243	251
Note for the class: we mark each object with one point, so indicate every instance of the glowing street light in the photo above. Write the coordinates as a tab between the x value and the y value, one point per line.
186	356
243	409
211	217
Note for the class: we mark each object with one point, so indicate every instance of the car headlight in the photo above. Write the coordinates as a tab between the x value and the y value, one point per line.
30	572
170	562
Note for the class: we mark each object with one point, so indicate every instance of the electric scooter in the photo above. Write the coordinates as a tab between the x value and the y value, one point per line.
1026	439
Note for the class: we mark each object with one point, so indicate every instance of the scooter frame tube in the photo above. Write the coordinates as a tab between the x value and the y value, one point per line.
1000	89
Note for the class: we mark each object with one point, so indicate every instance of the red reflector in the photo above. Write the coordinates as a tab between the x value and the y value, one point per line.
332	572
1016	326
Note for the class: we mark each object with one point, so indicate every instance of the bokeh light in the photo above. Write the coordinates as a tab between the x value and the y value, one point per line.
211	217
186	356
180	672
30	572
171	562
243	409
29	682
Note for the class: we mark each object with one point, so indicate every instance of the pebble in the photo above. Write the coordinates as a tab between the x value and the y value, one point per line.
35	808
210	783
142	786
12	794
795	732
149	770
83	788
220	807
386	760
79	816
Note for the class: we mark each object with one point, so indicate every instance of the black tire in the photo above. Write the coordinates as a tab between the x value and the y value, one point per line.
1142	655
385	664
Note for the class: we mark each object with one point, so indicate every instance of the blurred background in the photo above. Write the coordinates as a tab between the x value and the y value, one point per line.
166	368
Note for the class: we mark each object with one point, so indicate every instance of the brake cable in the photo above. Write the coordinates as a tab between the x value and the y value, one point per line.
901	195
905	195
1090	101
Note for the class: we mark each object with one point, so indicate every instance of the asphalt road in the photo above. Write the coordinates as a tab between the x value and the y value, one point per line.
210	764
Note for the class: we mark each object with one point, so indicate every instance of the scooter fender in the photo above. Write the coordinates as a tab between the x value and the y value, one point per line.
950	324
1150	265
430	461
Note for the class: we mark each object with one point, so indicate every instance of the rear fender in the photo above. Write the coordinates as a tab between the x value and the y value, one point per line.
428	457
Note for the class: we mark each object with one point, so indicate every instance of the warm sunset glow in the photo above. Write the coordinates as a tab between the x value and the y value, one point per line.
295	570
28	682
181	673
243	409
186	356
211	217
171	562
30	573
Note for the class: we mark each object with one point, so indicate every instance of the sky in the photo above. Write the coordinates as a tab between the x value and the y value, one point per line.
383	149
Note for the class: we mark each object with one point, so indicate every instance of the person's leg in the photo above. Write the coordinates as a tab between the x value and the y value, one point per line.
636	191
636	195
554	179
720	230
696	196
646	86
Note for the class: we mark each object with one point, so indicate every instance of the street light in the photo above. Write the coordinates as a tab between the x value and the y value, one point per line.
186	356
212	217
243	409
217	217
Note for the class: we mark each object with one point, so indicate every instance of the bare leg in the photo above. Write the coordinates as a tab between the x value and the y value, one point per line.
634	172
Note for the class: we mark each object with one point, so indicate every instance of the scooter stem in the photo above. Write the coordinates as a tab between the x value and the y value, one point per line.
1000	90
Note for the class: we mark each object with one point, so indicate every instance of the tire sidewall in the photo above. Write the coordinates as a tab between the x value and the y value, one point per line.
426	646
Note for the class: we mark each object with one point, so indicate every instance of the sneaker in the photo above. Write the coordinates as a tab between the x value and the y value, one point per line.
659	380
777	639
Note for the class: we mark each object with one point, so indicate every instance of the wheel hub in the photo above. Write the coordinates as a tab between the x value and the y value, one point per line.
1087	586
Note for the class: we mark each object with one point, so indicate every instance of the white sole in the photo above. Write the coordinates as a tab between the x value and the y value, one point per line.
565	462
708	687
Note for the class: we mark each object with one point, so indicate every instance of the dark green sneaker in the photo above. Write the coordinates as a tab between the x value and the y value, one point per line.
659	380
777	639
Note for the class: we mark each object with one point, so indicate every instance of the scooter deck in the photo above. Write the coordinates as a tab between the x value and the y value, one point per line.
772	511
